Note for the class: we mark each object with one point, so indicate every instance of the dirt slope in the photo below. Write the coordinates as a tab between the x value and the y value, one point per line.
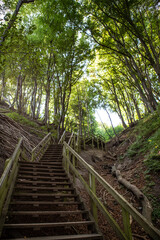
131	169
10	133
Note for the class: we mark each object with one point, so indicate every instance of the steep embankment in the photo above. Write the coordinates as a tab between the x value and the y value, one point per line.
136	154
12	127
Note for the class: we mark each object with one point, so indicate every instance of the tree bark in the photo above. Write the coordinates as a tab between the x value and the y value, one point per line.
33	100
146	206
119	110
3	86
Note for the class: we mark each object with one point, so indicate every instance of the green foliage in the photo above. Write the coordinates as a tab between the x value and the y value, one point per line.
21	119
100	130
148	141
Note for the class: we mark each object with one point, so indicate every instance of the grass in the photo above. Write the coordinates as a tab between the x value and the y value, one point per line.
29	123
33	125
21	119
147	144
148	141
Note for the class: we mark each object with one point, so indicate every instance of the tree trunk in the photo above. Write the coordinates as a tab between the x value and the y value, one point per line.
119	110
33	100
117	139
136	106
46	116
3	86
20	93
39	102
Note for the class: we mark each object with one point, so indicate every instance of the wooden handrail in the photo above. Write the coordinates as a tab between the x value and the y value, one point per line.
61	139
8	178
41	144
7	182
127	208
9	165
70	139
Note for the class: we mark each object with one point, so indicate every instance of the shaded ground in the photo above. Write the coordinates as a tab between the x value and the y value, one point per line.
132	170
10	133
102	161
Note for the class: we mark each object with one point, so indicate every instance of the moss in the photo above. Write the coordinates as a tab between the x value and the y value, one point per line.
148	141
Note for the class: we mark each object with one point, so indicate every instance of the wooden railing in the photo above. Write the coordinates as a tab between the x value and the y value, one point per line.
7	181
62	138
9	175
70	157
38	151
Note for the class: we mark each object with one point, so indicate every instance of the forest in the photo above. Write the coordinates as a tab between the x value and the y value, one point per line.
65	174
61	60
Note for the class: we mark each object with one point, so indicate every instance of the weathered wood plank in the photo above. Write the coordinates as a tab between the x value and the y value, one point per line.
45	225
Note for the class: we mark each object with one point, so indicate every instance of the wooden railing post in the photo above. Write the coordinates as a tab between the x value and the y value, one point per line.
74	165
92	184
64	157
126	223
67	163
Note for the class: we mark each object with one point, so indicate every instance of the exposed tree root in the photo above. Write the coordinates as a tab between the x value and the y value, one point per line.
146	206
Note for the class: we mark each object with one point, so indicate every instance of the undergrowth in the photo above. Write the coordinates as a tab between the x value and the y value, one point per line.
29	123
148	141
147	144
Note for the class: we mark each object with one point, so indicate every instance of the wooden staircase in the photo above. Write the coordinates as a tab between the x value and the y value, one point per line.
45	205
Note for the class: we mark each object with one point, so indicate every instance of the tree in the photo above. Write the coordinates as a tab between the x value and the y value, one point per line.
13	18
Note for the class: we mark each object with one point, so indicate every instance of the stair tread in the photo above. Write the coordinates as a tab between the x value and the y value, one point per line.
42	177
42	182
46	212
44	194
40	163
45	202
30	225
45	188
40	167
45	173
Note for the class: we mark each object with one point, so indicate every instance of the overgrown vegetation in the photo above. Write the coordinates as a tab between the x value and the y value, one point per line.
147	144
108	132
34	127
147	141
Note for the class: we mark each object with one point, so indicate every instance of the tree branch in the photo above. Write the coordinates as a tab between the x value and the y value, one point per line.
13	18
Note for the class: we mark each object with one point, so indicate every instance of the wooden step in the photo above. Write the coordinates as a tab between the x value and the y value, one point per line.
53	183
38	213
40	171
92	236
46	225
41	163
55	160
42	177
54	173
59	195
45	168
44	188
26	202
